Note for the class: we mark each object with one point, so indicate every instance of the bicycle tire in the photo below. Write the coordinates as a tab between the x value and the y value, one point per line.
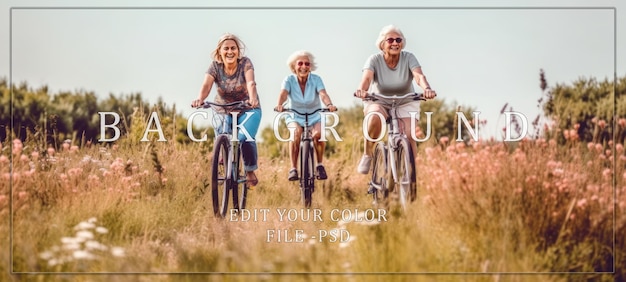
220	183
406	173
240	191
380	174
307	181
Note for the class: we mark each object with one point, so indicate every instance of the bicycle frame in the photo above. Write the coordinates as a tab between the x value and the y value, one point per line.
231	162
392	145
307	182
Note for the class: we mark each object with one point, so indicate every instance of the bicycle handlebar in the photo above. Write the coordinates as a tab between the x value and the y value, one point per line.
305	114
375	97
237	104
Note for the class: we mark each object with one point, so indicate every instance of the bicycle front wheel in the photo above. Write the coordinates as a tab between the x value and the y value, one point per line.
220	182
380	174
307	181
240	188
406	172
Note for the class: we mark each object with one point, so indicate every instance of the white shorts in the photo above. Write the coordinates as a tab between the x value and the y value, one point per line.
403	111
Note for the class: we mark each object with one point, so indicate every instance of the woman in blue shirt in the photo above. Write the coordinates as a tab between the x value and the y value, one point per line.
304	90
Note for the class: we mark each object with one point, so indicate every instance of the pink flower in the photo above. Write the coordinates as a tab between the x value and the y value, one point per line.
599	147
17	147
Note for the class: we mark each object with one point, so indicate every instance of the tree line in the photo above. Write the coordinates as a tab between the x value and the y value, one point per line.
589	107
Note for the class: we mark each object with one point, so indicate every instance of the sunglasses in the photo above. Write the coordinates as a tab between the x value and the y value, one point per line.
304	63
391	40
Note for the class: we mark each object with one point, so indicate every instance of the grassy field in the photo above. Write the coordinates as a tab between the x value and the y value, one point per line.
487	211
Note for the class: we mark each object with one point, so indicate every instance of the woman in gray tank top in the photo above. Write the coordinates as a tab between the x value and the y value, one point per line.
389	72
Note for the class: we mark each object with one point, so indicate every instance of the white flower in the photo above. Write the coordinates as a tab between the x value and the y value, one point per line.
71	246
71	240
118	252
94	245
84	234
102	230
46	255
81	254
84	226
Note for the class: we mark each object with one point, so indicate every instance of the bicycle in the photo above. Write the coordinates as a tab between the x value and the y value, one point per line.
307	160
393	162
227	164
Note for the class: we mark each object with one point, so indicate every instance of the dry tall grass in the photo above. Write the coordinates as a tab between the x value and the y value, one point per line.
486	211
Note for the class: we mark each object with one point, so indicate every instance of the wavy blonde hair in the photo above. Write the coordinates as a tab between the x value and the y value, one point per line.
382	36
291	61
228	36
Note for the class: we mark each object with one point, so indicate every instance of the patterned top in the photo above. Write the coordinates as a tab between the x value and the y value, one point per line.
231	88
303	102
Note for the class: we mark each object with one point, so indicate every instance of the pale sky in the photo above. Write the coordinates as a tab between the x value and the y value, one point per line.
480	54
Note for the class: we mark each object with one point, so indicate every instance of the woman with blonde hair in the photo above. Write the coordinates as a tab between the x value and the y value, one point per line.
233	74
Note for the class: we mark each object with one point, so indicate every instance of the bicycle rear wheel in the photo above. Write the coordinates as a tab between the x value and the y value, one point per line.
307	181
380	174
406	173
220	182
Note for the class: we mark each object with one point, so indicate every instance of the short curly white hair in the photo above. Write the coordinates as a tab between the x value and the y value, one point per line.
383	36
291	61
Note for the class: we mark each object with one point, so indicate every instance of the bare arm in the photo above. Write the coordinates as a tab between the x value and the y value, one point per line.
207	84
366	80
420	79
326	100
251	84
282	97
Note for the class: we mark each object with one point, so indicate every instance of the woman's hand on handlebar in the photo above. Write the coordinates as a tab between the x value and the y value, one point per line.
429	93
360	93
278	108
196	103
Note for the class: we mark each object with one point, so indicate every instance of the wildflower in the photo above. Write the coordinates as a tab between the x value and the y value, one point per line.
95	245
84	225
66	145
599	147
622	122
17	147
606	173
81	254
581	203
84	234
552	143
101	230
